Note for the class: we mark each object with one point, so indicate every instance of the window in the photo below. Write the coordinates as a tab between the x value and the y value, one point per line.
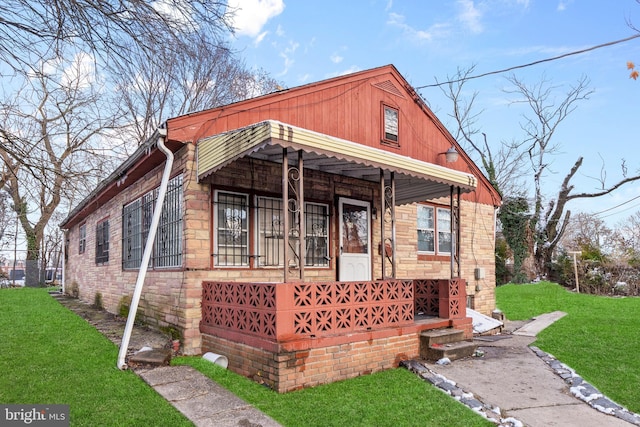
390	125
434	230
317	234
231	225
82	243
136	222
271	234
102	242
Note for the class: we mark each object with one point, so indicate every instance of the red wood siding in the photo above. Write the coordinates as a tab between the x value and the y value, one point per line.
347	107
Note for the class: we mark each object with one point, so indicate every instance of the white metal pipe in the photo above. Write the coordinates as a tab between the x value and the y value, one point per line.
146	256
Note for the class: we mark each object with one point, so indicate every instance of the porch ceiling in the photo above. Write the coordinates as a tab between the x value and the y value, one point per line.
415	180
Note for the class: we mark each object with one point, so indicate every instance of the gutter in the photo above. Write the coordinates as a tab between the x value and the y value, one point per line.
146	256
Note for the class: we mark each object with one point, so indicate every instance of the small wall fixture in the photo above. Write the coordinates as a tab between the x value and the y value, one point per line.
451	155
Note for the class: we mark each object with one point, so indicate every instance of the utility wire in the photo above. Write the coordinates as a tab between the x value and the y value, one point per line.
577	52
617	206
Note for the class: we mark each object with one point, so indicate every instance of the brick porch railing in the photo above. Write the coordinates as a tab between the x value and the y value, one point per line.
268	314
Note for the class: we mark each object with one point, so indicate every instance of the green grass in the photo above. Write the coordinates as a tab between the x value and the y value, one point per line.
599	337
49	355
395	397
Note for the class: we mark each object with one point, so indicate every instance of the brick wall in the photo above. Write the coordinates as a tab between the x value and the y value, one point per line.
294	370
172	297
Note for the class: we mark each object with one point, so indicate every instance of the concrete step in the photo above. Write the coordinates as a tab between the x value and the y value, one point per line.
452	351
154	357
440	336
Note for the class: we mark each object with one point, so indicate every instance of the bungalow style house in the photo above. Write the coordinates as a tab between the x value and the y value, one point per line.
308	235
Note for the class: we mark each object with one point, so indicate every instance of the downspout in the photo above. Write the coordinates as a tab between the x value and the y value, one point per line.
146	256
64	262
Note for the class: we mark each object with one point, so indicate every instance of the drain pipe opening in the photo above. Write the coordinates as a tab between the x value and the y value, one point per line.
146	256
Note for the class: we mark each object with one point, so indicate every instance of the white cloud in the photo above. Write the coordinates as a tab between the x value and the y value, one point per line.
248	17
287	56
470	16
435	31
562	5
336	59
260	37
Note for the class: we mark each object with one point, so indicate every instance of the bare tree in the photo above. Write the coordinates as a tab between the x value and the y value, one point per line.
502	163
31	29
51	131
181	82
551	215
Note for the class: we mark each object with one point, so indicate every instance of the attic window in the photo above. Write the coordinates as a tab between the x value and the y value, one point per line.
390	125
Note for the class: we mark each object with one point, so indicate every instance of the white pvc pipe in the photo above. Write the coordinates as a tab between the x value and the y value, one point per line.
216	359
146	256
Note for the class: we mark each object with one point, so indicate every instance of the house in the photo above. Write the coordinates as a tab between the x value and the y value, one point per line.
309	235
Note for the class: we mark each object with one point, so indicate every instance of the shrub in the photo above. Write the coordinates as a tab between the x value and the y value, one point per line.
97	301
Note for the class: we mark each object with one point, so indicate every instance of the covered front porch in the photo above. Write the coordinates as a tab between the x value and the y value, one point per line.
300	330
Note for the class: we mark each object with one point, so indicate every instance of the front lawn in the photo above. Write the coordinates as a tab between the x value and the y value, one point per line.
49	355
391	398
599	338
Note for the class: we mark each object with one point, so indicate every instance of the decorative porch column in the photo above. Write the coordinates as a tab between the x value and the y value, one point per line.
388	203
455	232
293	203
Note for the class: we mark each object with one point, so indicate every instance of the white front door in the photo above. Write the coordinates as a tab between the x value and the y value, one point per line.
355	240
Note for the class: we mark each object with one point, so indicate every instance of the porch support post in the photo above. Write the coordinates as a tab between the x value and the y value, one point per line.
455	231
285	214
383	208
393	225
302	243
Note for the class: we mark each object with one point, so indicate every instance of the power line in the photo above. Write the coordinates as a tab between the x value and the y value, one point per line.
577	52
617	206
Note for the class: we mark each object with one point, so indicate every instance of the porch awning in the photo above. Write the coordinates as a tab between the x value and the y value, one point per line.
415	180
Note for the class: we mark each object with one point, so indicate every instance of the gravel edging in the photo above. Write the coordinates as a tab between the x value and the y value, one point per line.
449	387
578	387
585	391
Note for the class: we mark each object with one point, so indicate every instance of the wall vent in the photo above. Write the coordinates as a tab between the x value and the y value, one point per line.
388	86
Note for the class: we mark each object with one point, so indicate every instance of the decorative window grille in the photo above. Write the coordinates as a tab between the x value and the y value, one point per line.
131	235
317	234
434	230
82	243
271	231
168	244
231	225
136	222
102	242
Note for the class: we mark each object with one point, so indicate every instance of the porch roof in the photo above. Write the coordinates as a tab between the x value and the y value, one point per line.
415	180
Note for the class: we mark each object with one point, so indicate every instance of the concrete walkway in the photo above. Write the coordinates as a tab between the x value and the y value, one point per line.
203	401
520	385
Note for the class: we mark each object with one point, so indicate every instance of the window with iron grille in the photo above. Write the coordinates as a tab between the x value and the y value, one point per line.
232	231
434	230
270	248
102	242
82	243
317	234
136	222
168	243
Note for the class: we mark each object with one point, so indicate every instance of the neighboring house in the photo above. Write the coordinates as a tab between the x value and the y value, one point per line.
381	234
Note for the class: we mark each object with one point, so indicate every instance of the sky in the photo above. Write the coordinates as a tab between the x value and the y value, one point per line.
304	41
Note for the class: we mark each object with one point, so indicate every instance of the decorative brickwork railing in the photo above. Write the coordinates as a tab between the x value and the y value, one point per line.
445	298
342	307
284	311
